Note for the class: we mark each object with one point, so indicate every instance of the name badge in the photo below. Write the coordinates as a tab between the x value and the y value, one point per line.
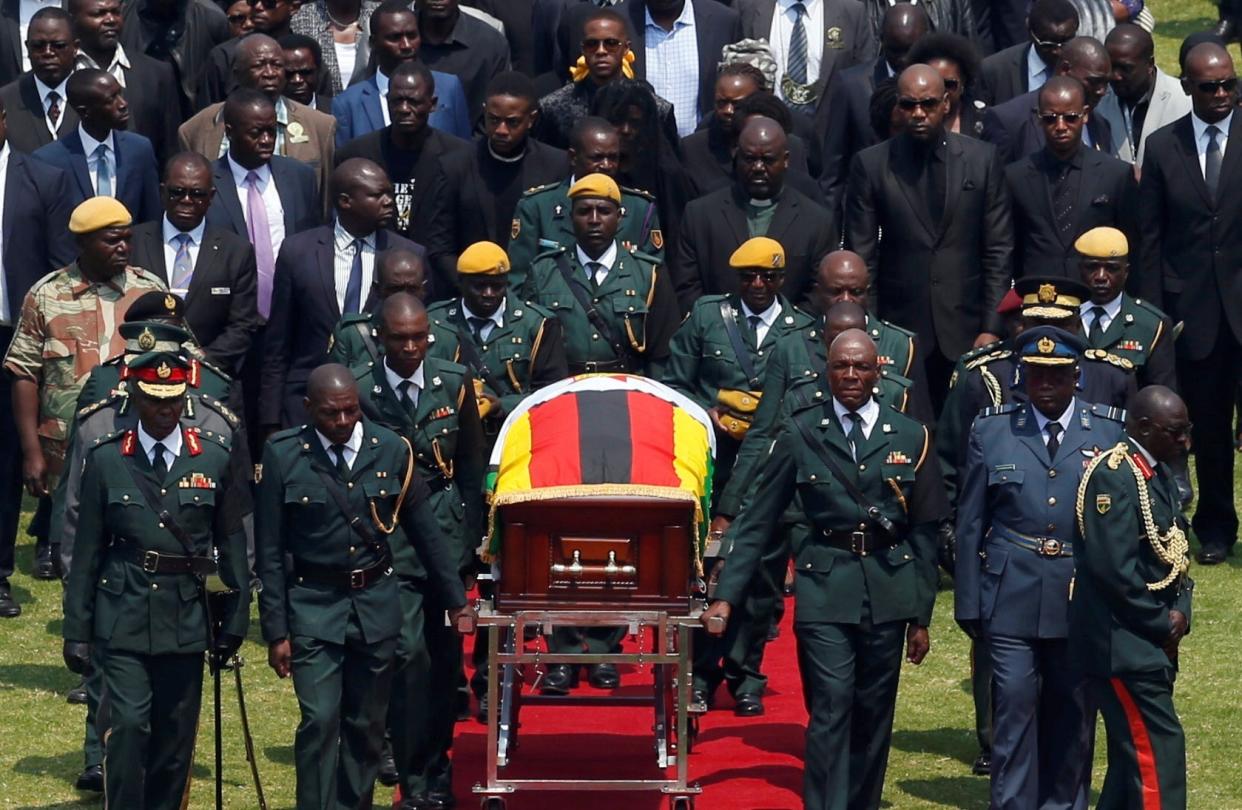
221	290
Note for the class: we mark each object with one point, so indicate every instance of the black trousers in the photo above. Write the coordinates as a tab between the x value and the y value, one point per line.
1207	387
10	470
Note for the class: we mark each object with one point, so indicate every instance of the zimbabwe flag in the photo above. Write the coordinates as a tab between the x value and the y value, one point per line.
603	434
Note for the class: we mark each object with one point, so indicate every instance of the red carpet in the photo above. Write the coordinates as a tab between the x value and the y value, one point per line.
742	764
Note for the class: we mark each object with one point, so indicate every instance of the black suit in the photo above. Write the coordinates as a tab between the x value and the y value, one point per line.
10	42
714	226
1191	267
221	305
1106	196
27	121
1004	74
201	24
1015	131
849	127
35	238
154	104
708	164
304	313
295	183
941	280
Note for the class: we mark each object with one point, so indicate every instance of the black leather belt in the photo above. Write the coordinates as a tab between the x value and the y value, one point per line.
598	367
158	562
861	542
355	580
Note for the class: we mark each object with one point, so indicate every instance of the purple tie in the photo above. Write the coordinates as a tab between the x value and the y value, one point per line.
261	238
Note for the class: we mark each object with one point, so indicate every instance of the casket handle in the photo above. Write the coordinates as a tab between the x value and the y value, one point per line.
609	569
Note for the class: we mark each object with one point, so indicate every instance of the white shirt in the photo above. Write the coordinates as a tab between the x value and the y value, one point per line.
783	20
1111	310
25	10
346	56
608	259
118	66
44	92
766	319
381	81
870	413
89	145
416	381
171	442
170	234
1063	420
497	321
352	446
271	200
1037	73
673	66
1201	137
343	250
6	314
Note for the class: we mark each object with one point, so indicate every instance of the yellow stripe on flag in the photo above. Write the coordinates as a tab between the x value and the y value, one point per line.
514	472
691	449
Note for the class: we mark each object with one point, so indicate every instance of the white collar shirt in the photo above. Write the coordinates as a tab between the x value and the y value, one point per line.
171	442
1063	420
605	262
1111	310
118	66
381	81
344	246
89	145
1200	128
497	321
1037	73
271	199
870	413
783	20
170	234
352	446
416	381
766	319
62	99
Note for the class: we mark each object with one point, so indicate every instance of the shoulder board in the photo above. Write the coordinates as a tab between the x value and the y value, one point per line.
1105	356
1109	412
213	437
999	354
1008	407
438	365
711	301
358	317
542	312
647	257
220	408
362	372
207	364
892	327
95	407
637	192
287	434
108	438
1149	307
437	307
549	253
539	189
801	397
979	352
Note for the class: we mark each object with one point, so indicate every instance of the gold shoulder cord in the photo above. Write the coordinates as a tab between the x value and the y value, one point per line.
1171	547
405	487
992	385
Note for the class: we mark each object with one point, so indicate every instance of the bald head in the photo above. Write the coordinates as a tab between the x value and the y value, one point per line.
328	379
1062	89
841	276
920	80
852	340
404	332
1210	81
260	63
1157	418
762	157
362	194
399	306
760	130
904	24
921	104
400	270
853	370
843	317
1133	54
1087	60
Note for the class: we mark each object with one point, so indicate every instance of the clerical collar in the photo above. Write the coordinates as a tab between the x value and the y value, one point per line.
515	159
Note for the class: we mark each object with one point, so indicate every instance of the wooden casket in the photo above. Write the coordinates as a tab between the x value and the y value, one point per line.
599	486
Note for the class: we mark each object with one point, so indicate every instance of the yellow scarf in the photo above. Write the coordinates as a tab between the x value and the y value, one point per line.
579	71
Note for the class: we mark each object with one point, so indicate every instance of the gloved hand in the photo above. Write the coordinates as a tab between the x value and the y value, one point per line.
77	655
946	547
225	647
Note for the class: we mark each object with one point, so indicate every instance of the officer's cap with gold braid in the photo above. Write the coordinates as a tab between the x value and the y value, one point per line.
1103	243
759	252
483	259
98	213
160	375
153	336
1050	346
596	185
1051	296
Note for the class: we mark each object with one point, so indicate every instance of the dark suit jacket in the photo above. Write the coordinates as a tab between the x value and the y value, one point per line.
358	112
295	183
709	165
10	42
1004	74
221	306
150	90
1191	260
203	26
941	282
23	111
137	181
714	226
1106	197
1015	132
849	127
35	230
715	26
304	313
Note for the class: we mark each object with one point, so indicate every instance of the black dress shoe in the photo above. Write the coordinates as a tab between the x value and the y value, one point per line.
439	800
9	609
603	676
559	679
1226	30
91	779
481	714
44	569
701	697
1211	555
983	764
463	705
387	775
77	695
748	705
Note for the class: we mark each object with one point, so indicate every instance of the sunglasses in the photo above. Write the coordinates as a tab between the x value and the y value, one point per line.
1177	432
1049	43
927	104
179	193
766	276
1069	118
1212	88
951	84
595	44
238	19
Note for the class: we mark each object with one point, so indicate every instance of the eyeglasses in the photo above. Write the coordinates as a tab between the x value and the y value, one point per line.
766	276
1212	88
1070	118
1177	432
195	194
595	44
927	104
238	19
55	45
1049	43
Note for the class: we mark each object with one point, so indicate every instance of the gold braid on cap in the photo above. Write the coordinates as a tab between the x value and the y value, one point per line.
1171	547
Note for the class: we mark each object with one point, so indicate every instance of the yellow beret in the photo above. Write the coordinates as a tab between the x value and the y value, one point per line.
759	252
98	213
1103	243
596	185
484	259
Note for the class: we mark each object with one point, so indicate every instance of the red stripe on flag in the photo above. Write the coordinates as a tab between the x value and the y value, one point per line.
554	454
651	433
1143	752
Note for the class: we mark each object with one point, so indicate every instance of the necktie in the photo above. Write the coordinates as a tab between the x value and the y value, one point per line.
183	267
1063	202
855	435
593	269
353	288
342	469
103	172
261	237
158	461
476	326
754	321
1211	163
1097	322
53	110
405	389
796	64
1054	439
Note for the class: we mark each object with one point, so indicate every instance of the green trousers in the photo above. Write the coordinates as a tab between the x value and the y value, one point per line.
92	748
343	693
148	718
1146	745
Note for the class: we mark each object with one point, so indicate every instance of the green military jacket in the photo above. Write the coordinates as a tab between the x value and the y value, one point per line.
636	301
296	516
355	341
105	378
1143	335
524	354
896	470
802	358
110	597
541	223
447	438
1118	622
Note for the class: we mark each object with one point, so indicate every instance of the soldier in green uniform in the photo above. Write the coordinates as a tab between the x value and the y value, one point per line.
430	402
353	343
542	220
341	498
718	358
151	529
1130	602
866	571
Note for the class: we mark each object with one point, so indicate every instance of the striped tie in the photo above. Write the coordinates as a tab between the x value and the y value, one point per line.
796	66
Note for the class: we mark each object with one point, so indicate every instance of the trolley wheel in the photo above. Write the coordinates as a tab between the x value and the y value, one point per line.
495	803
683	803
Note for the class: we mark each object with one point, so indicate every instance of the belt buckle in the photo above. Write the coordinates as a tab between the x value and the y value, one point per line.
1050	547
858	543
357	579
150	561
590	367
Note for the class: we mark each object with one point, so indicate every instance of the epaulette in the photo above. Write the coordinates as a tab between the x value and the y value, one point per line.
647	257
979	352
108	438
542	312
287	434
96	407
222	409
1151	308
997	410
1105	356
890	326
999	354
213	436
35	287
1109	412
549	252
114	361
209	365
638	192
538	189
804	396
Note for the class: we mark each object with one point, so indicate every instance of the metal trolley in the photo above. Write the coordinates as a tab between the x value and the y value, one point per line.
675	719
